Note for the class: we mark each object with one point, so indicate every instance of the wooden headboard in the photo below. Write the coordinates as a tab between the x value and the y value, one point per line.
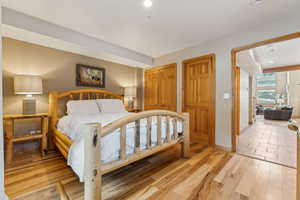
57	101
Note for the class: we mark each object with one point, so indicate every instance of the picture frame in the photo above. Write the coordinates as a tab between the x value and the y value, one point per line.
90	76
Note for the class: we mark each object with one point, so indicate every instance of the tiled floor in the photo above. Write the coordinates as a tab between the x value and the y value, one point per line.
269	140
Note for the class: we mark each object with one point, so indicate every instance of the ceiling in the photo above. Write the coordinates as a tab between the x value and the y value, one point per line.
168	26
247	61
43	40
279	54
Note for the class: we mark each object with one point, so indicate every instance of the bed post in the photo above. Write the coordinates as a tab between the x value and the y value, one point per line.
185	150
53	104
92	163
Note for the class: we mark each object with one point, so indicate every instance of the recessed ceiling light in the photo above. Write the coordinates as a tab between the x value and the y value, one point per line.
271	62
255	2
148	3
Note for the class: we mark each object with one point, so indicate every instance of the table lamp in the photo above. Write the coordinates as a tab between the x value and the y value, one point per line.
130	93
28	85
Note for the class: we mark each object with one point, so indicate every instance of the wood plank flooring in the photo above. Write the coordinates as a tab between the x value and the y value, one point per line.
162	176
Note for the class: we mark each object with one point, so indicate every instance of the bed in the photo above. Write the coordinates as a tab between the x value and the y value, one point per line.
97	135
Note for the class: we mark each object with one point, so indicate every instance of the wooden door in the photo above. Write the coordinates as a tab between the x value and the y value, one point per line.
151	89
167	88
160	88
199	97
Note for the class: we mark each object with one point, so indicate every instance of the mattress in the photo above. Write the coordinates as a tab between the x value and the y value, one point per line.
74	126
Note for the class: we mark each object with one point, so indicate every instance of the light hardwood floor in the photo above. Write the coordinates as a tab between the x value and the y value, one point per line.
209	174
269	140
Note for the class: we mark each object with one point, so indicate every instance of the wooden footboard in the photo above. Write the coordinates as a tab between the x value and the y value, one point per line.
62	142
93	169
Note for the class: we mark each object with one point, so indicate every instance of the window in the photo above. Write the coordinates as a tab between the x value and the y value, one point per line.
266	89
266	80
266	97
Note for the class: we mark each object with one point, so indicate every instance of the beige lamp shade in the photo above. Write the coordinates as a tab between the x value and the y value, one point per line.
130	92
27	84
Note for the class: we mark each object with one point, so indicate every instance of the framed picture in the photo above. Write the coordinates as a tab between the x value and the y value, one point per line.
90	76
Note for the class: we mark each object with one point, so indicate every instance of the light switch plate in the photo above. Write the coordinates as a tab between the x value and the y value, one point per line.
226	95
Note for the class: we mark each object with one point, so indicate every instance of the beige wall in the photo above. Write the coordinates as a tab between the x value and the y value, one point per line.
2	193
222	48
57	69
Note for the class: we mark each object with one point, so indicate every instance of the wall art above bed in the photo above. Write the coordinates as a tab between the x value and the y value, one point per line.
90	76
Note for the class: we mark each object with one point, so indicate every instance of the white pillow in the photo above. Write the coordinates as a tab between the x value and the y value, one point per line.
63	124
82	107
111	105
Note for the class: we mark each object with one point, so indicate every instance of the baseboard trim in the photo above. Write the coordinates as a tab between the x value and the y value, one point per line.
244	129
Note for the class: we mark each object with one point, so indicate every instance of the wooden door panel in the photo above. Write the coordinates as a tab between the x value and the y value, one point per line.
169	86
151	89
199	123
199	98
160	88
166	88
147	90
197	92
203	125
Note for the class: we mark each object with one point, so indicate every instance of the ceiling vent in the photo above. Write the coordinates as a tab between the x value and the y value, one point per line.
255	2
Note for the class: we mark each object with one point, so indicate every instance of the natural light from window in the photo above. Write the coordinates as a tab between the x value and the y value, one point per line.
266	89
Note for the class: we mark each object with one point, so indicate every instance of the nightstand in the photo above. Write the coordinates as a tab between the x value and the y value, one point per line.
10	139
135	110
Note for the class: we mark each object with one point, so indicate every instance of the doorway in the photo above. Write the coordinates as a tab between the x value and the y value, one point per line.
199	97
266	84
235	110
235	85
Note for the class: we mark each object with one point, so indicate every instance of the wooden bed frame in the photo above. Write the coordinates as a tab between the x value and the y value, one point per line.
93	168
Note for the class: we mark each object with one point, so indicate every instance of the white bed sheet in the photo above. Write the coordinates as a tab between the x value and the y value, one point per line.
73	126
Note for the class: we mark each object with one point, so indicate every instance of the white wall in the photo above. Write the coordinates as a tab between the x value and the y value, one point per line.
244	99
23	27
294	91
222	48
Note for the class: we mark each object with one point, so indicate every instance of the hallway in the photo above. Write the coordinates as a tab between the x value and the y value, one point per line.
269	140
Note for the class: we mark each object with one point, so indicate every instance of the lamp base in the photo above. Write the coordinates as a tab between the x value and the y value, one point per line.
29	105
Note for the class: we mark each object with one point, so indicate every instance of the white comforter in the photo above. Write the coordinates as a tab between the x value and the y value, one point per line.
74	127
